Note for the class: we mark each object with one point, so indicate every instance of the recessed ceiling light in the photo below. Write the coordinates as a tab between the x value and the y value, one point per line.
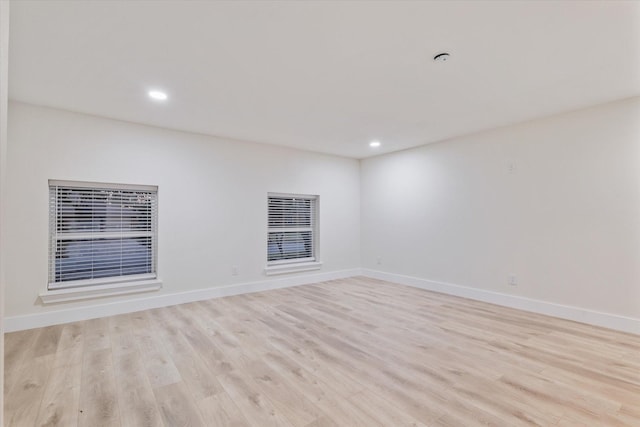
374	144
157	95
441	57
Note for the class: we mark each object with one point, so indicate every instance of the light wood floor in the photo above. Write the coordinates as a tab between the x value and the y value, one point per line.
354	352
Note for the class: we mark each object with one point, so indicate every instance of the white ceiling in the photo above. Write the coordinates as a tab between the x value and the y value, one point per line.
326	76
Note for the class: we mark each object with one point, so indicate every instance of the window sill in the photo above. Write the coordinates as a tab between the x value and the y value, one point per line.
272	270
86	292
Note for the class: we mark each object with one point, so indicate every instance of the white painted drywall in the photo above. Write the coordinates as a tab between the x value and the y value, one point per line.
555	202
4	62
212	198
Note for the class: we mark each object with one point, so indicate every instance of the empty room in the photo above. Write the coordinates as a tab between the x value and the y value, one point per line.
319	213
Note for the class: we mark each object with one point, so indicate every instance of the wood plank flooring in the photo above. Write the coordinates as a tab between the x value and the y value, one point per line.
353	352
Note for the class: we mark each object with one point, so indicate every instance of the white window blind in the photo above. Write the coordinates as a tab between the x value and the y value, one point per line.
292	235
101	233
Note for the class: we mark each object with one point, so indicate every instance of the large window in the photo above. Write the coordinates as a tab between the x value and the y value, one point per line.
101	233
293	224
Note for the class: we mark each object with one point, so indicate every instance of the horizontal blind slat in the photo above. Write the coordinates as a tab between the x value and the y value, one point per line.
101	232
291	227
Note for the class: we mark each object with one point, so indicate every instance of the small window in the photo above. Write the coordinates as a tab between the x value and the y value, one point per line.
101	233
293	227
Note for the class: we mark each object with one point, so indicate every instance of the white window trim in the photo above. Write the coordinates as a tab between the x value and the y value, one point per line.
108	286
74	284
281	262
98	291
301	264
272	270
131	187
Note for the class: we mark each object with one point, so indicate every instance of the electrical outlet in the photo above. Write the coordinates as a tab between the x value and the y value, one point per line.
234	270
513	280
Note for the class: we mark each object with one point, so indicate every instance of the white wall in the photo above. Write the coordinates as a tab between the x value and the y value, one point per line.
565	221
4	62
212	198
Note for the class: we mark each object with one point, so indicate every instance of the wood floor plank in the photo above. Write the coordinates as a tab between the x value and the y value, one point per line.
349	352
383	411
98	398
219	410
177	406
47	341
295	406
71	344
61	399
137	403
255	406
17	350
96	334
158	364
22	404
139	407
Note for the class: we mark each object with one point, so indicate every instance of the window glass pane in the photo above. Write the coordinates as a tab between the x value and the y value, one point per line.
289	212
290	245
101	233
99	210
99	258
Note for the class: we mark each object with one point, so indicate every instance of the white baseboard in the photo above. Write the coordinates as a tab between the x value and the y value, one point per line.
606	320
55	317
